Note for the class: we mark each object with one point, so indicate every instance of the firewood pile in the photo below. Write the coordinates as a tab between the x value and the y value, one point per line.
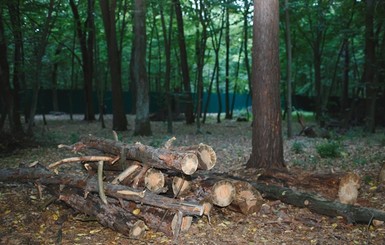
132	187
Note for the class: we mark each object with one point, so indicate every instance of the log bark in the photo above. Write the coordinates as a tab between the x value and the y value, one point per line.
154	157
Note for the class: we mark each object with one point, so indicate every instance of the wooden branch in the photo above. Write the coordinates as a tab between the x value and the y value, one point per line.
131	169
158	158
81	159
353	214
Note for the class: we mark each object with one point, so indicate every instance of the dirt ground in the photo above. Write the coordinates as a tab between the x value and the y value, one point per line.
23	220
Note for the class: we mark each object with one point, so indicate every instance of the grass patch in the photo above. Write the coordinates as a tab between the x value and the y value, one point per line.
297	147
329	149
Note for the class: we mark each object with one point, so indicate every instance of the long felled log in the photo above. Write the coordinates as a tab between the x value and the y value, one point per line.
156	157
108	215
353	214
45	177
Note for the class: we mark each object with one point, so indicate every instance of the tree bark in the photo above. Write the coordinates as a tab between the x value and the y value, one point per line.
267	145
142	120
119	120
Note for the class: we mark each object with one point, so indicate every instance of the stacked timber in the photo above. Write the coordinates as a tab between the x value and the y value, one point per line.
129	187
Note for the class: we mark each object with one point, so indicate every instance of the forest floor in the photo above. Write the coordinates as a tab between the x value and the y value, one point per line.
23	221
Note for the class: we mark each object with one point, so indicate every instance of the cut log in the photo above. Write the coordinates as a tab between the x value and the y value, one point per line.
222	193
247	199
180	186
353	214
45	177
206	155
157	219
111	216
154	181
155	157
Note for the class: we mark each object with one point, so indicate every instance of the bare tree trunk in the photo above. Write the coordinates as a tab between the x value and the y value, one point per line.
370	62
228	114
55	67
18	71
39	53
6	93
200	54
288	70
142	121
167	76
267	145
119	120
86	47
189	110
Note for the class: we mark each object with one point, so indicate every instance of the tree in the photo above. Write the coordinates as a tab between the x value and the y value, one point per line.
6	94
86	36
189	110
39	51
267	145
369	66
142	120
119	120
288	70
18	61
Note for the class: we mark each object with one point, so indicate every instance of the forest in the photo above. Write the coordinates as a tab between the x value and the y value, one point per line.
269	113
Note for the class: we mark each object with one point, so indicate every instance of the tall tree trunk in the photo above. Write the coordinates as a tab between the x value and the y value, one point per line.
142	120
267	145
246	49
18	71
55	66
200	54
6	93
370	62
85	36
288	70
39	51
119	120
228	114
189	109
167	75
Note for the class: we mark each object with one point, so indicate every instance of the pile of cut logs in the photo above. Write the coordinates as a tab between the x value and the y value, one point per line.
130	186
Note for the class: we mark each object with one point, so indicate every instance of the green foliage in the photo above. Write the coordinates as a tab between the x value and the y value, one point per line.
297	147
329	149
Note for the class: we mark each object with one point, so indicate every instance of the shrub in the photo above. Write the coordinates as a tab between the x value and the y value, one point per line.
297	147
330	149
